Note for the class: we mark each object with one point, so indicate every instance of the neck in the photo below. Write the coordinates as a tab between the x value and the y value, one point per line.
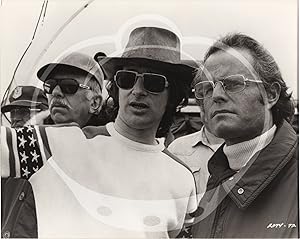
145	136
211	138
268	124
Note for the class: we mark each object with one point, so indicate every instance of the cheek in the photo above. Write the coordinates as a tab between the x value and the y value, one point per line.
162	102
122	99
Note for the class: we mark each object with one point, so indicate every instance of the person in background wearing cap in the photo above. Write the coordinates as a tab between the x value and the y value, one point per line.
118	180
25	102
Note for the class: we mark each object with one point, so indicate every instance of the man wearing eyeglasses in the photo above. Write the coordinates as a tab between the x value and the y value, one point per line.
25	102
253	185
116	180
74	87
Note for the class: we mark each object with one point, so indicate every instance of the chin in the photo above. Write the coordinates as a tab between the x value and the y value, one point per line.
60	120
223	129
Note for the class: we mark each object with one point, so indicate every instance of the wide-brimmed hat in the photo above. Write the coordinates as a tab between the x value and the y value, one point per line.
74	60
26	96
150	46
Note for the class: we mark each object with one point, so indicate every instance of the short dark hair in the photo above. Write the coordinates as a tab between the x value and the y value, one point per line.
178	97
266	68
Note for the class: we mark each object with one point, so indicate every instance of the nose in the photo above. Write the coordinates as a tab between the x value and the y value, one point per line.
18	120
219	93
138	88
57	91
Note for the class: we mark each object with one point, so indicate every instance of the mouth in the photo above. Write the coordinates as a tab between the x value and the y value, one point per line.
139	105
18	124
217	112
57	105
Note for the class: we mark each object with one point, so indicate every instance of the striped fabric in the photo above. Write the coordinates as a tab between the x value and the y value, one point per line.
23	151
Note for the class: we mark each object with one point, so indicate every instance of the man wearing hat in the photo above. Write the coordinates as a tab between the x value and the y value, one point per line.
118	180
25	102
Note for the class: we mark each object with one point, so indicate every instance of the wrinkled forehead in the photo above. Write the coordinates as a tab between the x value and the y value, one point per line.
225	63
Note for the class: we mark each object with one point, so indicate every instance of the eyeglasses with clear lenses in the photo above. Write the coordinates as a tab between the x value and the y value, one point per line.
67	85
153	83
230	84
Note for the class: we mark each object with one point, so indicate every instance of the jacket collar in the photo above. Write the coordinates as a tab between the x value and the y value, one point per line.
264	166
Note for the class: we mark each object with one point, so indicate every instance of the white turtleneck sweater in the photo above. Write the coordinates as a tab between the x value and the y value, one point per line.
239	154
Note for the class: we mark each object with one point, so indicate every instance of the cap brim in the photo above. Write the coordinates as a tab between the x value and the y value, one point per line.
48	70
23	103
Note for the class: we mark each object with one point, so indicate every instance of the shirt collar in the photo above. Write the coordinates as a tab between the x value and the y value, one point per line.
200	138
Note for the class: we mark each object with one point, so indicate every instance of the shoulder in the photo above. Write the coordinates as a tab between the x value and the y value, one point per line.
177	165
93	131
180	169
186	140
176	159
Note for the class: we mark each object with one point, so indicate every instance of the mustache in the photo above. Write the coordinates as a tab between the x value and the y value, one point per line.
58	102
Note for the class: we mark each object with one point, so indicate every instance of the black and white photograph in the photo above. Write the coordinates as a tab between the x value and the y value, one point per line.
149	119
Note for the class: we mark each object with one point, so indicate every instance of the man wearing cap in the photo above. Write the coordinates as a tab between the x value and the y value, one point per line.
74	86
118	180
25	102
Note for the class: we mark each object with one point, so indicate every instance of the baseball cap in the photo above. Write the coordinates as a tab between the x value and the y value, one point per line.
73	60
26	96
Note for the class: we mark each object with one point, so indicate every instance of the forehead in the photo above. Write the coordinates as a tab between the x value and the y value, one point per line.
144	69
74	74
229	62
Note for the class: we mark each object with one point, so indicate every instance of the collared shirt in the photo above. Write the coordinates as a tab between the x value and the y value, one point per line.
195	151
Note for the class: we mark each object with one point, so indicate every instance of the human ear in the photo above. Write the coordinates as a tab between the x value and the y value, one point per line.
273	94
95	104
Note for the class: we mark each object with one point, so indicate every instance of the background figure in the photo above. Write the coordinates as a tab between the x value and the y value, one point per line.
253	184
196	149
25	102
74	88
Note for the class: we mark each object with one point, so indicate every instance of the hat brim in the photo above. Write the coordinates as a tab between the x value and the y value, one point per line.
48	70
23	103
111	65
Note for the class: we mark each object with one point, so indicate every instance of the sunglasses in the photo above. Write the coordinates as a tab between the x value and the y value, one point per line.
67	85
153	83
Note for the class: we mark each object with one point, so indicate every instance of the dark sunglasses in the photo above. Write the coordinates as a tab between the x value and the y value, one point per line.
67	85
153	83
24	111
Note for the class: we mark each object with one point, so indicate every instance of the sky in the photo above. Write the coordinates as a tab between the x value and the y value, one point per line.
104	25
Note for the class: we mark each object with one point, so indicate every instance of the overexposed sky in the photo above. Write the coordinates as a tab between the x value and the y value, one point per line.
104	25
